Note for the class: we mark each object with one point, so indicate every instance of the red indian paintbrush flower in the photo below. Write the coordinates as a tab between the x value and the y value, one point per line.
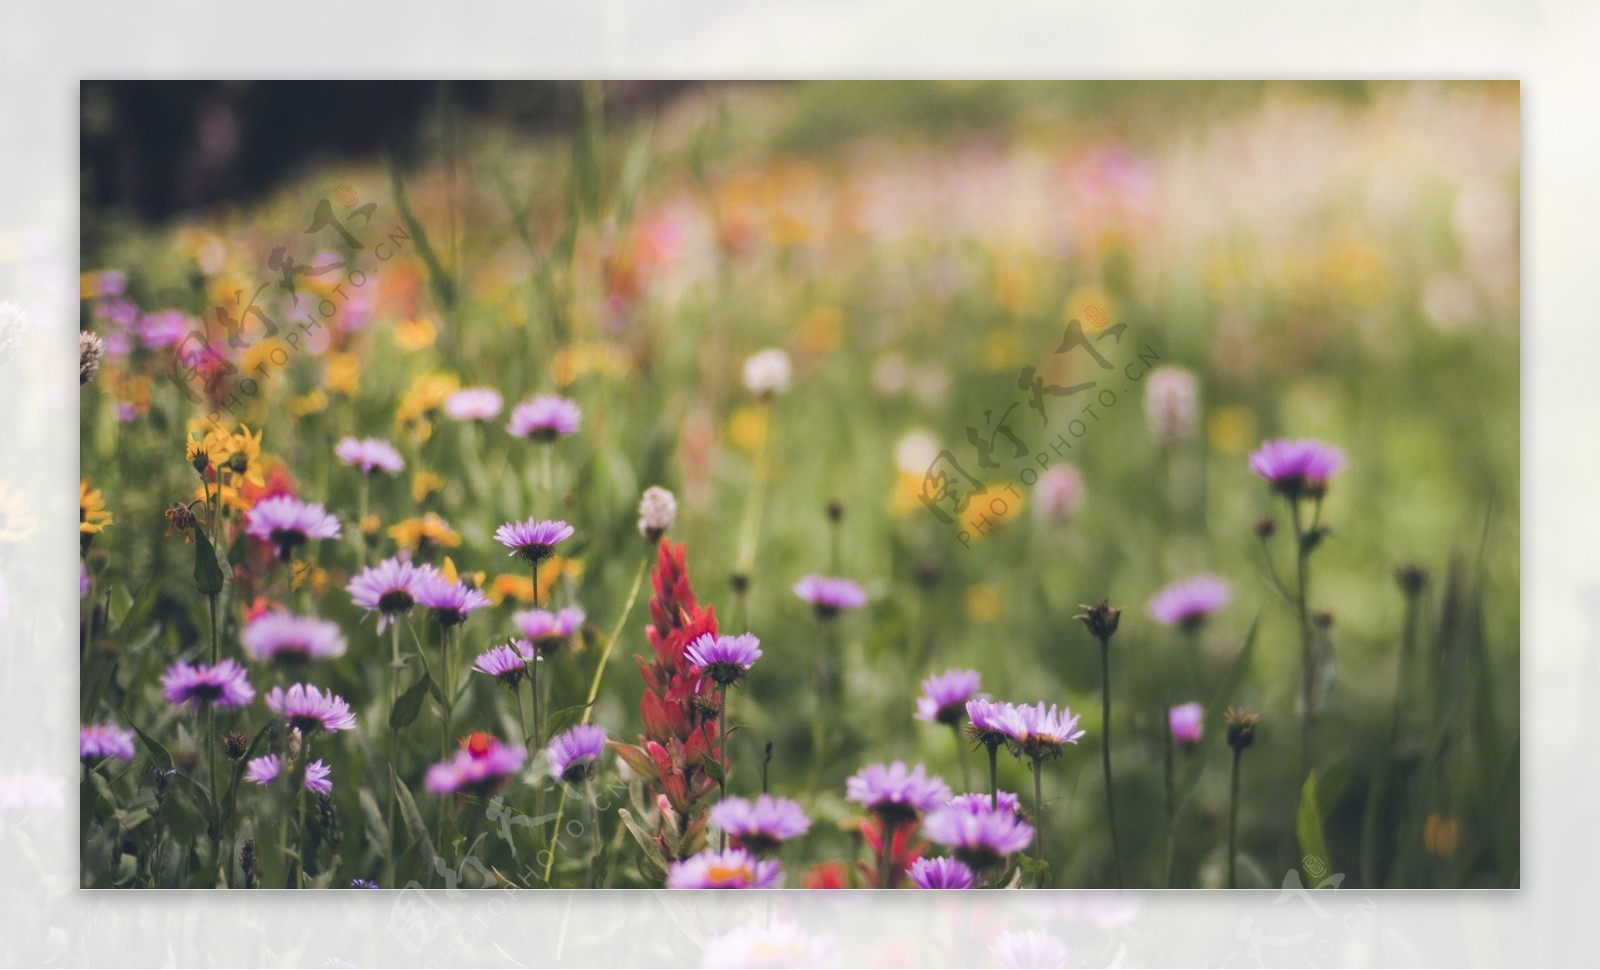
679	707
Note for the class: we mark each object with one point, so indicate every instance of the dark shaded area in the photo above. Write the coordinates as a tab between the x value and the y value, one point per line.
155	149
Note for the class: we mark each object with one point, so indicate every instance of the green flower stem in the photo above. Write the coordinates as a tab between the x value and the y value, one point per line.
588	706
1233	824
392	742
1105	753
1307	668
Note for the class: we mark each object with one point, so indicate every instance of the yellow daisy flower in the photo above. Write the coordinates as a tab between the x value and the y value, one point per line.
427	393
425	483
417	334
92	513
342	375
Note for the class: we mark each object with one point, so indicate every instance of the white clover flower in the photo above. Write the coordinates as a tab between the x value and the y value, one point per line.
767	372
657	510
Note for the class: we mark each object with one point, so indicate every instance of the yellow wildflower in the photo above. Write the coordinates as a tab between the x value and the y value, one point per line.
985	602
425	483
309	576
1441	835
427	393
342	374
474	579
427	531
747	429
92	513
307	404
264	356
1232	429
417	334
244	458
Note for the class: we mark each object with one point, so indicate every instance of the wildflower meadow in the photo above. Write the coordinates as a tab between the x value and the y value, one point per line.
825	485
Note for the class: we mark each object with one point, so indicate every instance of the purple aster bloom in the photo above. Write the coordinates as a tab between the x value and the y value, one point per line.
197	687
265	769
762	825
1187	722
830	596
545	418
980	802
504	664
896	793
534	540
1297	466
309	709
363	884
944	696
163	329
987	719
83	580
981	838
449	603
1029	950
546	631
1039	732
481	767
96	741
474	404
287	522
291	640
733	869
941	872
724	659
1187	603
371	455
575	753
389	588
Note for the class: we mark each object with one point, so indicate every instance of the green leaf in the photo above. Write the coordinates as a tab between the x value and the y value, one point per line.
207	572
714	769
1315	862
416	829
158	751
1035	870
642	764
409	704
647	843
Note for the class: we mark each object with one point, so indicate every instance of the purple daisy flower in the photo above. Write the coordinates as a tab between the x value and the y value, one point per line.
371	455
830	596
534	540
363	884
449	603
287	522
981	838
389	588
1297	466
988	725
96	741
733	869
545	418
265	769
1187	723
1187	603
944	696
762	825
980	802
291	640
309	709
575	753
504	664
724	659
197	687
546	631
896	793
941	872
1029	949
474	404
1039	732
481	767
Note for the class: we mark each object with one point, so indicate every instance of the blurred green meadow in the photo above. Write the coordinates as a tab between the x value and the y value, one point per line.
1337	261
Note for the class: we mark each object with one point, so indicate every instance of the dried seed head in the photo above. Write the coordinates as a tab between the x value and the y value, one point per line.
1241	724
91	351
1101	619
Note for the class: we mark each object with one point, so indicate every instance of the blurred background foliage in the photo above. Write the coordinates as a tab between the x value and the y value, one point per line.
1337	260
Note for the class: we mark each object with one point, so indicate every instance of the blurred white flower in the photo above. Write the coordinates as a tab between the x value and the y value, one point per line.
1172	404
781	944
767	372
1058	495
657	510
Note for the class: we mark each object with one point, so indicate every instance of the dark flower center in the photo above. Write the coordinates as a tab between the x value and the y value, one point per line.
535	553
395	601
286	540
